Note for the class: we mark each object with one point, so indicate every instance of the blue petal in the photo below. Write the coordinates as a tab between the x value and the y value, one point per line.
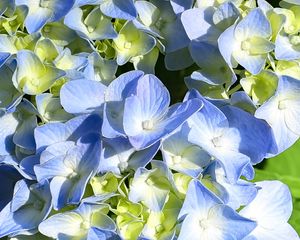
273	201
198	198
52	168
27	217
123	9
8	177
141	138
117	91
284	50
193	18
9	123
3	58
82	96
23	136
60	190
35	21
225	49
50	133
27	164
253	25
96	233
180	6
60	9
256	135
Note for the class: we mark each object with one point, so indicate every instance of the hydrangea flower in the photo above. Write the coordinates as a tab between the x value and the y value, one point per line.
224	136
282	105
90	221
205	217
99	139
250	42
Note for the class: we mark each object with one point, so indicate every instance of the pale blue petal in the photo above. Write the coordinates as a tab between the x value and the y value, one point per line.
82	96
23	136
62	224
227	49
123	86
82	125
96	233
52	168
35	21
117	91
60	9
253	25
80	3
180	6
272	205
9	123
27	164
284	50
193	18
198	199
226	219
123	9
256	135
142	158
3	58
49	134
21	195
154	96
8	177
60	189
225	15
252	63
176	116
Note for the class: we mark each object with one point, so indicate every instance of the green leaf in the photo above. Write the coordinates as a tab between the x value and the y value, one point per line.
286	163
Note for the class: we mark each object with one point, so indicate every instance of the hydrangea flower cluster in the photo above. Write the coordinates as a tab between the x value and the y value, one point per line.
91	145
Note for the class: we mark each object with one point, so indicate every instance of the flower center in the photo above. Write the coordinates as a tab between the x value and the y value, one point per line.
127	45
245	45
204	224
73	176
45	3
123	166
159	228
216	141
282	105
176	159
150	181
85	225
147	125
